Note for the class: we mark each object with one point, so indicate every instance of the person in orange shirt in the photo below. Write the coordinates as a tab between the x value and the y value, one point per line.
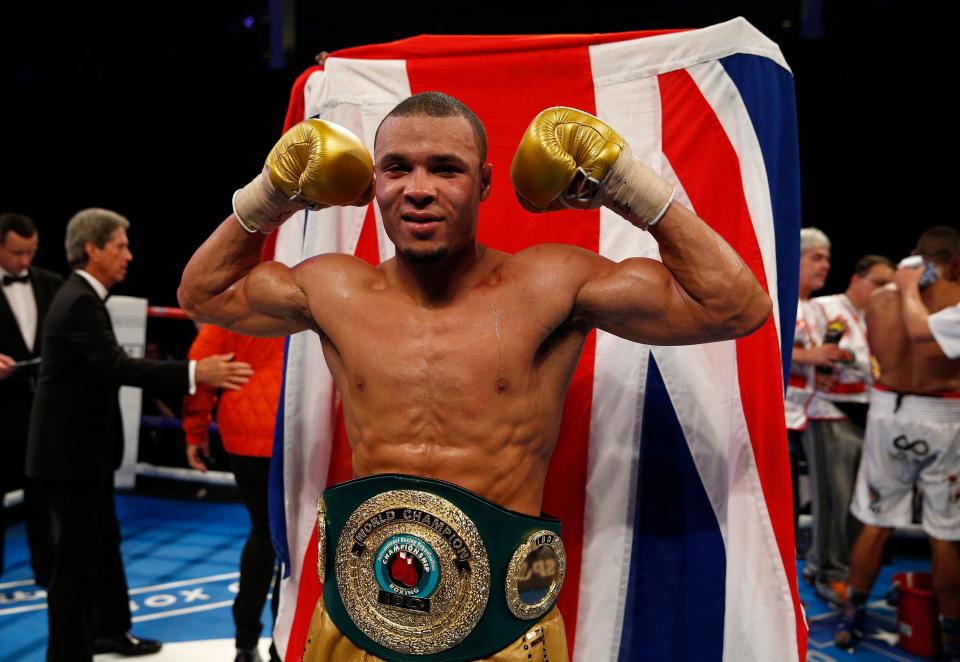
246	421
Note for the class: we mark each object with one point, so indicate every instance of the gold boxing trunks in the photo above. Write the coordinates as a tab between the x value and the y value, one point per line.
544	642
420	570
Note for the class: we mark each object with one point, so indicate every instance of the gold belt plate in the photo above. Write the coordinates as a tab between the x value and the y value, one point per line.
413	572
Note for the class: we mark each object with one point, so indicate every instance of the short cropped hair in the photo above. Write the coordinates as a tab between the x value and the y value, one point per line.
94	224
940	245
868	262
438	104
812	238
21	224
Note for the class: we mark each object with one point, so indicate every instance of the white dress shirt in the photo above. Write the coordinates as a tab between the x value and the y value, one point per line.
24	306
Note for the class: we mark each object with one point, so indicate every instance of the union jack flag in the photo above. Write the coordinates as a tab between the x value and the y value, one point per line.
671	473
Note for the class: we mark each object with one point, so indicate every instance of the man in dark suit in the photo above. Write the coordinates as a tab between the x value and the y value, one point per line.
26	294
76	439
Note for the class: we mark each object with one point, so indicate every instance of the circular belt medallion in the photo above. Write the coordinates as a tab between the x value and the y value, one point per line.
321	540
535	575
412	571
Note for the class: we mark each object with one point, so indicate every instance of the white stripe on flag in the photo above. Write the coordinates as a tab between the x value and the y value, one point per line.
724	97
647	56
615	417
633	107
308	416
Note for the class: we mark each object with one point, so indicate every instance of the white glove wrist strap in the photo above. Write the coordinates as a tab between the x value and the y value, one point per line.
262	207
635	191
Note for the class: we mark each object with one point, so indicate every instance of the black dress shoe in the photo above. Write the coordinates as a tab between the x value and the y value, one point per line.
126	644
252	655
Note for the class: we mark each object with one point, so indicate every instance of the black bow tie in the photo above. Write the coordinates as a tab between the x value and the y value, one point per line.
10	280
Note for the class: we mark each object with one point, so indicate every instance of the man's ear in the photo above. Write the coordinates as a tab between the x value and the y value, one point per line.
90	248
485	174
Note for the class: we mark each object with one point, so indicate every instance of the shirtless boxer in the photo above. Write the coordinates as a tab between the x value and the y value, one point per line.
941	327
912	437
452	359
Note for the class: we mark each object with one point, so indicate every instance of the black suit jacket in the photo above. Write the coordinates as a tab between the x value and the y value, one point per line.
76	431
16	391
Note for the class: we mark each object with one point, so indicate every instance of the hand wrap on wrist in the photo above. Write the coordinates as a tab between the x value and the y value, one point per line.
632	188
260	206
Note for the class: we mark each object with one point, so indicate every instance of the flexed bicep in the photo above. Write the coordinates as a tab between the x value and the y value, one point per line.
277	305
266	302
640	300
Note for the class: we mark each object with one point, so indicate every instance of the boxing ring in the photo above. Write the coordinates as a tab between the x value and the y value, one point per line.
130	317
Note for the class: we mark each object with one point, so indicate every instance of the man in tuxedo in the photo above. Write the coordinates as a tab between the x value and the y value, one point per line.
27	293
76	439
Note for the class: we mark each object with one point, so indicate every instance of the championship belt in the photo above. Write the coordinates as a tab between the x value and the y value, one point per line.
420	570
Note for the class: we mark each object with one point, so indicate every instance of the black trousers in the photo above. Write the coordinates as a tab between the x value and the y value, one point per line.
35	513
87	596
258	560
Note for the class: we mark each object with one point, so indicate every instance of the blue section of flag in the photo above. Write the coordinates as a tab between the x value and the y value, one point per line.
275	502
675	595
767	91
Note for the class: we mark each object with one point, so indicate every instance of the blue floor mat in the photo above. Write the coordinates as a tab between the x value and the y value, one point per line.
880	643
181	557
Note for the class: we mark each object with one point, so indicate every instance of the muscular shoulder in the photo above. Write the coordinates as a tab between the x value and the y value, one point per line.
942	294
332	280
338	269
883	298
557	276
883	308
557	265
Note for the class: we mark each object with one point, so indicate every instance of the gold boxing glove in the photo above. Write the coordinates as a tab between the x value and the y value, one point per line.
315	164
569	159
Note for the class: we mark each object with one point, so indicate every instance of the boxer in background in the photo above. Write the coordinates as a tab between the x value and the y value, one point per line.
942	327
452	359
912	438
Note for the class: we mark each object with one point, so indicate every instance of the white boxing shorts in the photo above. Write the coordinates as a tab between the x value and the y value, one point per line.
911	439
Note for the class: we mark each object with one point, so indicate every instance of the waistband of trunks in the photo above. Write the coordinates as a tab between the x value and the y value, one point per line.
934	408
946	395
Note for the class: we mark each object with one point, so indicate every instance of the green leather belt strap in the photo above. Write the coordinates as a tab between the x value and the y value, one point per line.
502	531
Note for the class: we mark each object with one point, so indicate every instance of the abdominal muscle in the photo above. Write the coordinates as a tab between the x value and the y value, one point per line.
502	460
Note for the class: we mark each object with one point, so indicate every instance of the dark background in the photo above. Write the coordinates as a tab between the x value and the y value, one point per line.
161	110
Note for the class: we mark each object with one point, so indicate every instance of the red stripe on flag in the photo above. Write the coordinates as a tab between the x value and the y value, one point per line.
433	46
709	170
308	591
367	246
506	91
